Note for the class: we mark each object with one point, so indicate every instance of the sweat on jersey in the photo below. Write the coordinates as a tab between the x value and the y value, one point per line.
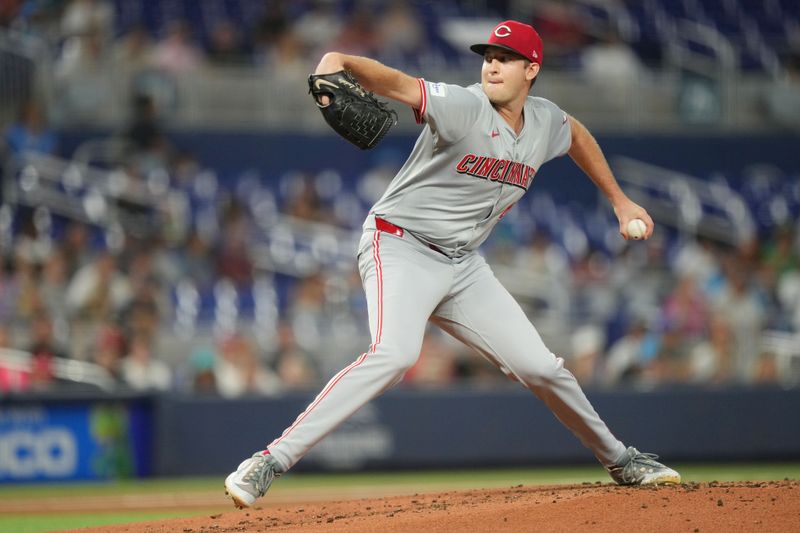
468	167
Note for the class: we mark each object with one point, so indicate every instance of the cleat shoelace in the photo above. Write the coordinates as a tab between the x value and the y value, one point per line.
641	462
261	476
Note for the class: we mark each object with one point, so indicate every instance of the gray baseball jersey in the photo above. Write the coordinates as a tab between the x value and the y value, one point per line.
468	166
418	261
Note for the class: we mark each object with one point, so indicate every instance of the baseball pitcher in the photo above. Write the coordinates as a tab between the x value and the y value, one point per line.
479	151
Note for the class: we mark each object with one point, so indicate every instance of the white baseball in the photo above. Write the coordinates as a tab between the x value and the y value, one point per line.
636	228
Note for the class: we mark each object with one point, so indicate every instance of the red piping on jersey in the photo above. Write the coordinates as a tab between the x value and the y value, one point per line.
342	373
419	114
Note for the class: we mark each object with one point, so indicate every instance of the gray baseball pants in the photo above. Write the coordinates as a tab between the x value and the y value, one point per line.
406	284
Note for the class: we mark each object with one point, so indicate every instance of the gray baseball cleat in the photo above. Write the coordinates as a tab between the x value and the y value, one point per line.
251	480
637	468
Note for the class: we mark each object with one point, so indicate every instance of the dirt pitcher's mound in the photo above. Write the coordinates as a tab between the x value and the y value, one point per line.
693	507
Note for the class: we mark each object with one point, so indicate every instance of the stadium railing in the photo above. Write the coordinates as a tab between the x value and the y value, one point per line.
68	370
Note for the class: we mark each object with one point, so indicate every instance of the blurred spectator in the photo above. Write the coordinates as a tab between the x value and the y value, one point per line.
711	361
108	349
739	306
303	200
614	69
584	361
686	311
746	256
8	291
671	362
31	132
401	34
233	260
594	297
141	370
782	98
318	26
289	57
306	313
53	286
360	34
185	168
788	299
176	53
142	317
201	370
766	370
150	302
133	51
436	366
698	259
194	261
642	278
226	45
74	246
84	79
149	145
44	351
627	356
33	244
561	30
25	291
779	265
273	24
81	17
293	365
479	372
542	256
9	11
238	370
99	289
13	378
782	253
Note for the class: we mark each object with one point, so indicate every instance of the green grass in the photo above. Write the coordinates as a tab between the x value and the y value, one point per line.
96	488
291	483
57	522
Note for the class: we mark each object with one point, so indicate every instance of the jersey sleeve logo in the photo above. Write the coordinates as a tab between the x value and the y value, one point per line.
438	89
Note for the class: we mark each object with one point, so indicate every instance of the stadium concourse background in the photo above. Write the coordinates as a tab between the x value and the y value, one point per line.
178	226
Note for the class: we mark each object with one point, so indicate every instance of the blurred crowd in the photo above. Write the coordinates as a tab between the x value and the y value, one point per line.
103	46
134	301
191	305
678	310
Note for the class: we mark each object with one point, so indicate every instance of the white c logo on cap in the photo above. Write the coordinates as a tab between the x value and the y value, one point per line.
505	33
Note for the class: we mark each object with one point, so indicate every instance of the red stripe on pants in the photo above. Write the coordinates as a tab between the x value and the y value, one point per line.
378	330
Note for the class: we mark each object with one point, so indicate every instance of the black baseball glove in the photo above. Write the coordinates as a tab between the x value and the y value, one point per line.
351	111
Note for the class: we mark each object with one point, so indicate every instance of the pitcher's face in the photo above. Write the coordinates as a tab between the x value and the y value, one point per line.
505	75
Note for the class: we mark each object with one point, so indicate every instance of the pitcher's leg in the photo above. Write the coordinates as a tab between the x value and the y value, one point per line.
402	290
486	317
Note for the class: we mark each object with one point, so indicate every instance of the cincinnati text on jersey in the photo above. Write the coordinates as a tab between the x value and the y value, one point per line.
499	170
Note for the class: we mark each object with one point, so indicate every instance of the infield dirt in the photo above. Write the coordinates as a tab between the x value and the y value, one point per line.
693	507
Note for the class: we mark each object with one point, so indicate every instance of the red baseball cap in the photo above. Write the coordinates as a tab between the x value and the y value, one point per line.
516	37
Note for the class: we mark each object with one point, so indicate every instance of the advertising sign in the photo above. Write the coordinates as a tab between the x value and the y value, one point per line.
73	440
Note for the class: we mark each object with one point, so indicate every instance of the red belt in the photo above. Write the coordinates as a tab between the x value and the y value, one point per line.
388	227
